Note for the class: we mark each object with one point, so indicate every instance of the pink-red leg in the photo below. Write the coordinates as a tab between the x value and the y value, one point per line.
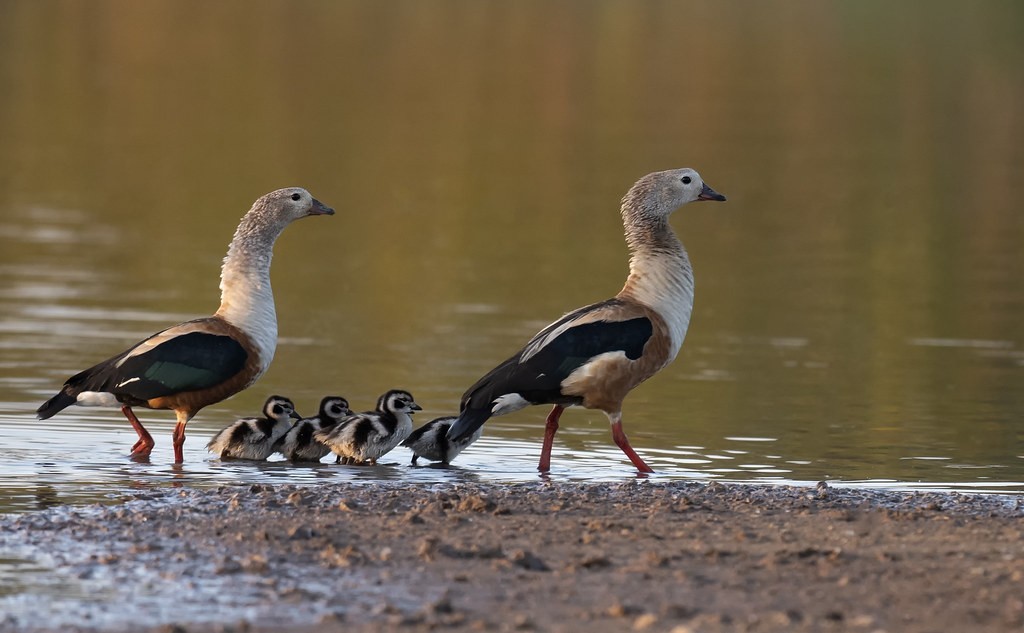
620	440
142	448
550	428
179	439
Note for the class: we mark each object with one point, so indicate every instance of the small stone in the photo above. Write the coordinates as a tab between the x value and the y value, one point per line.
473	551
228	566
385	608
427	549
523	623
347	505
655	559
297	499
332	617
645	622
595	562
822	490
862	621
345	557
619	610
475	503
528	561
442	605
255	564
385	554
301	532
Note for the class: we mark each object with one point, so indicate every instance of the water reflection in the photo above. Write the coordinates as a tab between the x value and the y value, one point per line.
858	299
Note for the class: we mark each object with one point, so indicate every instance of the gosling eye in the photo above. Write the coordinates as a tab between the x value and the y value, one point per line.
296	197
686	180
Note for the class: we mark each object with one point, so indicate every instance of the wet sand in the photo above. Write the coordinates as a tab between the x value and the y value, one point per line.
682	557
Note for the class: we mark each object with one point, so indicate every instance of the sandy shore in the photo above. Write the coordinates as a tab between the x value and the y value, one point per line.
527	557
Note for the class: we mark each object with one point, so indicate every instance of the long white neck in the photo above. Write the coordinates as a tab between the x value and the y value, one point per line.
246	298
660	275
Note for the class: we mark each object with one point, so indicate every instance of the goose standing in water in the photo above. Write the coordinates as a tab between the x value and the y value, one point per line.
594	356
299	445
255	438
363	438
430	441
198	363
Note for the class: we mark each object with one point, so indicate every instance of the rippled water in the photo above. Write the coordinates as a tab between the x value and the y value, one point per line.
859	297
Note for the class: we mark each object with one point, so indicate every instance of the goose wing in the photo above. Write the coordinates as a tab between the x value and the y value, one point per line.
535	374
187	357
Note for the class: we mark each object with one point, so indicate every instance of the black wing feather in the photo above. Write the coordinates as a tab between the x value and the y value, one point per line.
189	362
539	378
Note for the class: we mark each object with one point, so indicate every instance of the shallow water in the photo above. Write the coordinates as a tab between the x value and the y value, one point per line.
859	296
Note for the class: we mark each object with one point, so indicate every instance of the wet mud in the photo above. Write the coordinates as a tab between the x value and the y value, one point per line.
681	557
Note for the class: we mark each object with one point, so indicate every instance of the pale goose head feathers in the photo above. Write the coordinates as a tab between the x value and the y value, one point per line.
648	203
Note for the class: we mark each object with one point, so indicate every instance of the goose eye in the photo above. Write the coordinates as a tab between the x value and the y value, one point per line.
296	197
686	180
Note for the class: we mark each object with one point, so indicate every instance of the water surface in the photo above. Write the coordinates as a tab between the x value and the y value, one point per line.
859	297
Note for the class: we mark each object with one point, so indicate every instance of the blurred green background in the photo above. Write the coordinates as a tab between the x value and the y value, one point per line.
859	297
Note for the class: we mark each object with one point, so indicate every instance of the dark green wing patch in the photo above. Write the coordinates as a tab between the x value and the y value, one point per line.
189	362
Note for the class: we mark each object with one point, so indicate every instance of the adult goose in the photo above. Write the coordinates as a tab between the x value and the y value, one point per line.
593	356
198	363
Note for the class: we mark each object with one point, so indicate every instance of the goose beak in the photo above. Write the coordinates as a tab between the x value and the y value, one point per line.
319	208
707	193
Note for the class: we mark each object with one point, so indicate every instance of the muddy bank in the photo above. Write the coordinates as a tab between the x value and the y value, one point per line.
526	557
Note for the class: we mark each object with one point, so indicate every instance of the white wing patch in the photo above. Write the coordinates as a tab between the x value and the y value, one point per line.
162	337
596	312
96	399
128	382
508	403
605	311
540	342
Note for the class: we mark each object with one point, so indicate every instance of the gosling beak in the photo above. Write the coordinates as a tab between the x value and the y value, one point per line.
295	415
707	193
319	208
415	407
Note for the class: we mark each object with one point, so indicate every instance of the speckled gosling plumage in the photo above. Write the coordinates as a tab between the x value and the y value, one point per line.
200	362
363	438
430	441
299	445
255	438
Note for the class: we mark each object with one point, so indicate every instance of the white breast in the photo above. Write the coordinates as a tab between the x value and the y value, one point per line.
247	302
665	286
